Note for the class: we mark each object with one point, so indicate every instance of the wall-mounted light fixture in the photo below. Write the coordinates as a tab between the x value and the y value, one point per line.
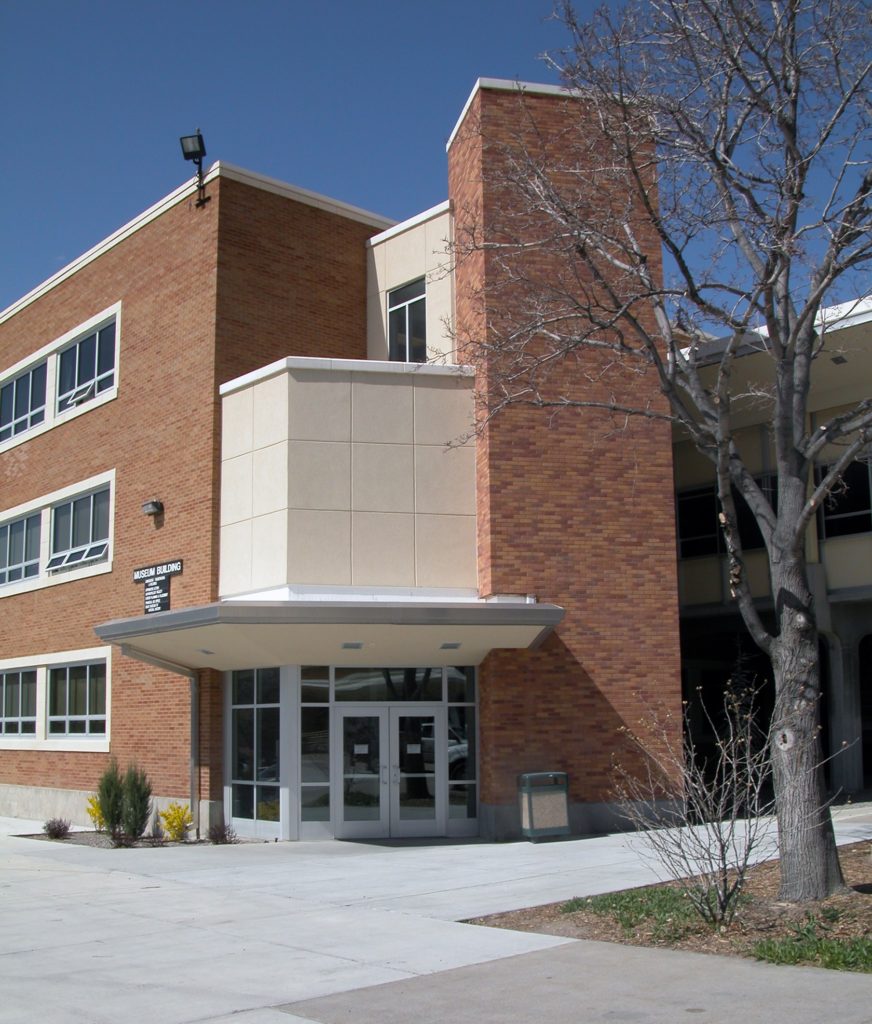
153	507
194	148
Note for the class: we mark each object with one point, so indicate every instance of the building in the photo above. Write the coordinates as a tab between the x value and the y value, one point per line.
250	539
838	553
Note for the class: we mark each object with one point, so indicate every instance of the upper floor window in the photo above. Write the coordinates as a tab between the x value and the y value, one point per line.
407	323
87	367
19	549
60	380
80	530
699	528
22	402
849	508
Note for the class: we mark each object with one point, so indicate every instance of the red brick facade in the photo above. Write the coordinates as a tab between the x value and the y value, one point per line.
206	294
570	508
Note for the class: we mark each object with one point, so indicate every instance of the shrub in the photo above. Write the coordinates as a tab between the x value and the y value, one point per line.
56	828
136	803
176	822
221	834
95	814
156	835
110	797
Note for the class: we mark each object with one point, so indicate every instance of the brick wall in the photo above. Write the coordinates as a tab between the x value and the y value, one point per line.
279	278
576	509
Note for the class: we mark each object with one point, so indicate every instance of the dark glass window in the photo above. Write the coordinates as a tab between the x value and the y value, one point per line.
22	402
86	368
848	509
19	549
77	700
699	528
80	530
407	324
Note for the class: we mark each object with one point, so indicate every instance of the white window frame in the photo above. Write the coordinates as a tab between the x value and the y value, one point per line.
25	563
19	719
51	354
25	420
42	739
45	506
67	718
405	306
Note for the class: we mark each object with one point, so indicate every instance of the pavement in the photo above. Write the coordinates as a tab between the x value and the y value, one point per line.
329	932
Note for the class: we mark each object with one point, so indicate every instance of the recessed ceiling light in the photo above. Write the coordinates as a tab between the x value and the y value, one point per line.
204	650
839	360
450	645
352	645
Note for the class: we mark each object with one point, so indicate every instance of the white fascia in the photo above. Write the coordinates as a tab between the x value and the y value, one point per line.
507	85
343	365
412	222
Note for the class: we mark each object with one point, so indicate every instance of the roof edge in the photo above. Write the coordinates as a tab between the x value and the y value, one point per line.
506	85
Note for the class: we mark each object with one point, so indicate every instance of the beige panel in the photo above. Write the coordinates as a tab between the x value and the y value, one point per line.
699	581
757	567
236	476
270	413
445	480
382	549
376	327
270	479
405	257
382	478
319	547
236	423
750	442
375	269
319	475
437	241
847	561
445	551
235	572
319	406
269	550
382	408
443	409
691	469
440	315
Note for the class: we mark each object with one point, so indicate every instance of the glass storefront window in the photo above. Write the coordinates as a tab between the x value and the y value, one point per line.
388	684
256	744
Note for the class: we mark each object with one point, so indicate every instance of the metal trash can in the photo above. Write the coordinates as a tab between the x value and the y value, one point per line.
544	804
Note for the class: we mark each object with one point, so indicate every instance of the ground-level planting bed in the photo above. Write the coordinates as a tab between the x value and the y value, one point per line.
836	932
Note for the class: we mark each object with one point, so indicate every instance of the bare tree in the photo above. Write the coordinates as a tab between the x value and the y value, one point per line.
715	184
708	838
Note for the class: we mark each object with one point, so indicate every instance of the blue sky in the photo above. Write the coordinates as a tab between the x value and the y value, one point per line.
351	98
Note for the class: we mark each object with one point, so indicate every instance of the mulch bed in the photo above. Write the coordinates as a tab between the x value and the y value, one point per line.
761	916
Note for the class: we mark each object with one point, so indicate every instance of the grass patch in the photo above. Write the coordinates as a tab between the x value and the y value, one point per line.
666	911
808	945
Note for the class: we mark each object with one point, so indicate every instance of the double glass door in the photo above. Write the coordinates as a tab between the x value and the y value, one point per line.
391	776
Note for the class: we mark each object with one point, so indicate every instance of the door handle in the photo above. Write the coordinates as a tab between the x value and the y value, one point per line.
384	774
395	774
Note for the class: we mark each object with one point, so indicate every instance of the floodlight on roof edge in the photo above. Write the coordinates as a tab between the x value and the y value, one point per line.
194	148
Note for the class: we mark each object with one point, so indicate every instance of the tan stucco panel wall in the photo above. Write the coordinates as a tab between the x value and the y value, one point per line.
336	476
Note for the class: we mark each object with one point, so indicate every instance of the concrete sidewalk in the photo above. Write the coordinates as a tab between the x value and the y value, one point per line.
353	931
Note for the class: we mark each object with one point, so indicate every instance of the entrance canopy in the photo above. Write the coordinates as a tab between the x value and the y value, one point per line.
258	634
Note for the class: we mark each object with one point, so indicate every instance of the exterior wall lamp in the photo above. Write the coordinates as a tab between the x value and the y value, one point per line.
153	507
194	148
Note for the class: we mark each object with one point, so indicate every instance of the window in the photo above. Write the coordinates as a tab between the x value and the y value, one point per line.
407	324
22	402
80	530
77	700
18	702
699	528
71	374
87	367
255	727
19	549
849	509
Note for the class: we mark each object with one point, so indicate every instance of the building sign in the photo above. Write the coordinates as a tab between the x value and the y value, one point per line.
157	584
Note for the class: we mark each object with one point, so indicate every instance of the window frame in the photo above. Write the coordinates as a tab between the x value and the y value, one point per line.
44	506
23	422
30	523
50	356
19	719
826	513
95	548
68	718
42	665
405	305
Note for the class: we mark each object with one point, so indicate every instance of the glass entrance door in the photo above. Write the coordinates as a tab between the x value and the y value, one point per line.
417	775
393	775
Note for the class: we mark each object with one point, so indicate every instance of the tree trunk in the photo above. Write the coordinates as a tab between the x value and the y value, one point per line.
810	867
